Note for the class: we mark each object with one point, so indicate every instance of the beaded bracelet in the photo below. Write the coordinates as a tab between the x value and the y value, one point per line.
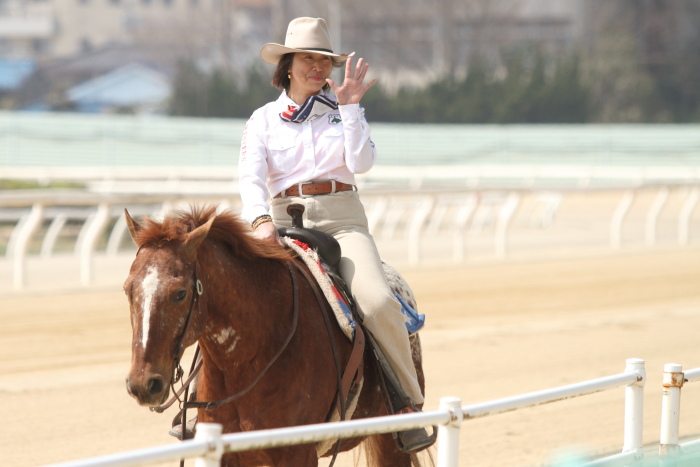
261	220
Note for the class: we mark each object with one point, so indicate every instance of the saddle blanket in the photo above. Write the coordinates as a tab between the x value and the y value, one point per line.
341	309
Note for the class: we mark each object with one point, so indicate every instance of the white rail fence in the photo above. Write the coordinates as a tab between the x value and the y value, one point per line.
209	444
410	225
673	380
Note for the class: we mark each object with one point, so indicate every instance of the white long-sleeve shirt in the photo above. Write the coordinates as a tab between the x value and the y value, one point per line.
276	154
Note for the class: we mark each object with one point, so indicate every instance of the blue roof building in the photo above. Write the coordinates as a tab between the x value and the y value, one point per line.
135	87
13	72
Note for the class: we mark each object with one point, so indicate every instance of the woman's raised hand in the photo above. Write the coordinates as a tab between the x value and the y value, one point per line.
353	88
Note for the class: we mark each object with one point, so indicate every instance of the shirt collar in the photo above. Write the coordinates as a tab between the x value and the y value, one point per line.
284	100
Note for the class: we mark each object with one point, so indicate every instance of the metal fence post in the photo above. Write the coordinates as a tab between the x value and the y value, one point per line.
211	433
19	242
618	218
653	216
505	216
684	216
448	435
670	409
87	239
634	406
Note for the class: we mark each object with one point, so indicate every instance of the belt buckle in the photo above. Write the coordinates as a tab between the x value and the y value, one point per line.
301	193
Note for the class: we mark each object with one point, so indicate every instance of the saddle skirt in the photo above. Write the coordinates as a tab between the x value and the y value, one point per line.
341	308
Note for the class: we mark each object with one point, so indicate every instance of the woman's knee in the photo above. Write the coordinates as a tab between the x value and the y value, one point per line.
378	303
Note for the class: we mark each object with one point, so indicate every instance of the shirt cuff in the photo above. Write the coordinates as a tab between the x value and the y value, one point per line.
349	112
249	215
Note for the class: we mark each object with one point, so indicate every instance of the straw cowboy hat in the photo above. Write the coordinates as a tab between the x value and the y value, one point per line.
303	35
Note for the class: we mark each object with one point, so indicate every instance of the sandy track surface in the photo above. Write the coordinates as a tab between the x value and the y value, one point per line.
493	331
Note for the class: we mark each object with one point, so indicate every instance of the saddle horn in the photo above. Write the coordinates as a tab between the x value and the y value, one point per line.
327	246
296	211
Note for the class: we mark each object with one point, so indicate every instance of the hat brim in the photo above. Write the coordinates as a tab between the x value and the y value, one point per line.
272	53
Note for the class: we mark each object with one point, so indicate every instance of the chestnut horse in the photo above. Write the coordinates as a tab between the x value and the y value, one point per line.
201	277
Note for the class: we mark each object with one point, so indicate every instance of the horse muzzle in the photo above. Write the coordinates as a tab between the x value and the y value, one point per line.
148	389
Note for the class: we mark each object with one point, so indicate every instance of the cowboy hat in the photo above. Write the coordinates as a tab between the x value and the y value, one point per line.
303	35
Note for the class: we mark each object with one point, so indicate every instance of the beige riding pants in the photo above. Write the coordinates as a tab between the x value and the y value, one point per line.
342	215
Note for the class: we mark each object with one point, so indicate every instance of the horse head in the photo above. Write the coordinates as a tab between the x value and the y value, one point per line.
164	300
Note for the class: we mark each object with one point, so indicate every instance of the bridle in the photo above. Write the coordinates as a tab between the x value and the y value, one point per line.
178	372
197	361
177	355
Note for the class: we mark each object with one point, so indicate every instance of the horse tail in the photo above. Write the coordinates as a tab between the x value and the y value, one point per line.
424	458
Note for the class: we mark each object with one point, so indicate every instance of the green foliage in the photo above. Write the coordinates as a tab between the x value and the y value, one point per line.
218	94
606	85
189	90
529	92
678	84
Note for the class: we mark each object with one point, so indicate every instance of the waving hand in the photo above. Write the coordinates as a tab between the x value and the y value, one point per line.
353	88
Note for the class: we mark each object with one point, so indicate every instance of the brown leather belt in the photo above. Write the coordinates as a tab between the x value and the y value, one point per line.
305	189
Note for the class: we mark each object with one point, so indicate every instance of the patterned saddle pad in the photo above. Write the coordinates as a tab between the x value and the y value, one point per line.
341	309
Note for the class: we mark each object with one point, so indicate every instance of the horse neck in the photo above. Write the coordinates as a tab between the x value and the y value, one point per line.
243	297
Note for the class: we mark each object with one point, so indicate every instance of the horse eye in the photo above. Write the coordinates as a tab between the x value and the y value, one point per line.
180	295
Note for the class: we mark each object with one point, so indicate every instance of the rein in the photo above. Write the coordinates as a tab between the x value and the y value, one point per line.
178	372
295	320
177	369
199	289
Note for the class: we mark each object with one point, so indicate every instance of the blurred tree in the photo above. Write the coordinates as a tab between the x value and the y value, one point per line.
484	61
218	93
642	60
189	91
527	90
621	88
669	34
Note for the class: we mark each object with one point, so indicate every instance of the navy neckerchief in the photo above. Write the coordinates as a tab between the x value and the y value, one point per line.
313	108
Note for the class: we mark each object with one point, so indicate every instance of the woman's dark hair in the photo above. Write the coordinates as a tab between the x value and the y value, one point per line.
280	79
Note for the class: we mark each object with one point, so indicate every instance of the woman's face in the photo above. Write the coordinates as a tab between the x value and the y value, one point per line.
308	73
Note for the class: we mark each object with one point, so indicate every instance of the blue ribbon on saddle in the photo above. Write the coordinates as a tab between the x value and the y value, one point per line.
414	320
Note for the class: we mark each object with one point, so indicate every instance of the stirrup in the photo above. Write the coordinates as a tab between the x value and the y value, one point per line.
415	439
190	429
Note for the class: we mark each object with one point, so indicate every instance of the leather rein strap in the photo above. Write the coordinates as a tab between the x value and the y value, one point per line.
177	369
295	320
195	370
354	368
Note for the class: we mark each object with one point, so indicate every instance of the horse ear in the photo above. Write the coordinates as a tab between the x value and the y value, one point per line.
194	238
134	226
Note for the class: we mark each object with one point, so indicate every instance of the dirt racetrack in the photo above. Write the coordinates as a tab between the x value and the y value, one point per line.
492	331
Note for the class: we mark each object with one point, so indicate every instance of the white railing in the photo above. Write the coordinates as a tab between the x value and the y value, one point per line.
209	444
402	220
673	380
519	176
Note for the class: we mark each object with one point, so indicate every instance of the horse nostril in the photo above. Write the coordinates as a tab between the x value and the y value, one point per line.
155	385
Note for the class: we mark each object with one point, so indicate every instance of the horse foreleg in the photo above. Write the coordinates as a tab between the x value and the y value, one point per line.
292	456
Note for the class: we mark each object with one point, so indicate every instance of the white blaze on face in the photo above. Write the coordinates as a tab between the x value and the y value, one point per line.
149	287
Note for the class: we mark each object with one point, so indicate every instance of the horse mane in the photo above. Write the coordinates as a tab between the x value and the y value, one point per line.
227	229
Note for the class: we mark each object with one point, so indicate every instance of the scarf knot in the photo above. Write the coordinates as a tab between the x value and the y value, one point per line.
313	108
